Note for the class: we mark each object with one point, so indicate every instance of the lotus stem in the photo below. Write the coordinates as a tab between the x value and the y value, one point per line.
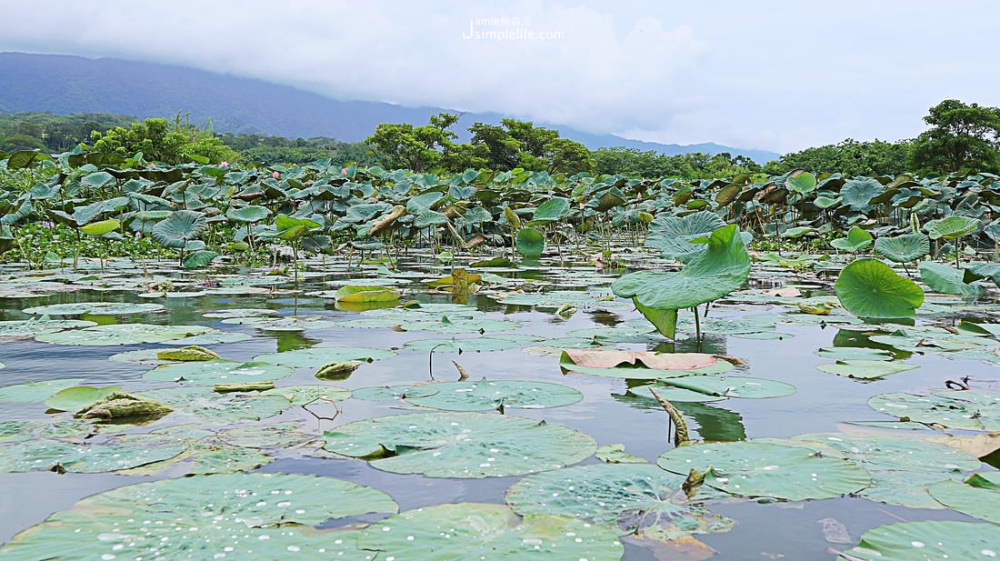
681	436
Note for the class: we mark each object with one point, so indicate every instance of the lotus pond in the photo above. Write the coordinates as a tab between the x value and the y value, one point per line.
511	411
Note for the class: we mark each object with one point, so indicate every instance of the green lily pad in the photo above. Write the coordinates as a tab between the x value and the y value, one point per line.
37	391
866	369
394	392
487	395
856	240
19	329
487	531
720	387
616	454
321	356
120	452
760	470
638	499
464	445
296	323
123	334
672	235
964	409
530	243
854	353
220	408
77	397
869	288
951	227
928	539
472	344
94	308
978	496
209	372
241	516
901	468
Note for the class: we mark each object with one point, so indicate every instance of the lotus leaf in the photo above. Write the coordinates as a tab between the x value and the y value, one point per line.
288	323
865	369
119	453
321	356
552	210
869	288
486	395
209	372
567	364
722	268
673	234
472	344
190	353
487	531
37	391
245	516
857	239
181	227
720	387
94	308
926	540
76	397
17	329
464	445
951	227
759	470
948	280
903	249
978	496
963	409
858	193
636	499
220	408
394	391
124	334
530	243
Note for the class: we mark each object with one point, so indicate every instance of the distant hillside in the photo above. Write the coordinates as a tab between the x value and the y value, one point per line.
69	84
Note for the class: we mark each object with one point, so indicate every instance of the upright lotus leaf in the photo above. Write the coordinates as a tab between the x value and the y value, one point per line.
673	234
801	182
530	243
638	499
181	227
758	469
211	372
248	214
487	531
238	516
198	259
463	445
722	268
951	227
487	395
552	210
98	229
857	239
978	496
928	540
665	321
293	229
903	249
858	193
868	288
948	280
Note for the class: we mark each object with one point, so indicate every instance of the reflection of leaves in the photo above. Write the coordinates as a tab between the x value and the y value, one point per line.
714	423
293	341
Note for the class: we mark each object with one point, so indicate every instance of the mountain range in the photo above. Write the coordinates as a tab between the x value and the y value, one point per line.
63	85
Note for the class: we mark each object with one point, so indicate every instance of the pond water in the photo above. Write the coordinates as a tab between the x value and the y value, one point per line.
785	352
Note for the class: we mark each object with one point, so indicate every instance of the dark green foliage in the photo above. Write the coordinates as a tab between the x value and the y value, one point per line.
962	138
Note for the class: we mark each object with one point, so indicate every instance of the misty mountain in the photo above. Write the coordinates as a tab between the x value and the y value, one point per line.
64	85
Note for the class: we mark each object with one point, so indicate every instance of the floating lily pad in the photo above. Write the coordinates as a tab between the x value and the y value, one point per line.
964	409
901	468
720	387
466	445
486	395
77	397
320	356
928	539
297	323
121	452
244	516
240	313
94	308
682	364
473	344
638	499
220	408
395	391
978	496
758	470
36	391
123	334
19	329
854	353
865	369
209	372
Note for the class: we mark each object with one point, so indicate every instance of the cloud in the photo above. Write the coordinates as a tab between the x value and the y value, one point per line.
776	74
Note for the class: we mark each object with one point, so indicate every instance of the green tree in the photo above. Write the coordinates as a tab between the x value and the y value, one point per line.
160	140
417	148
962	138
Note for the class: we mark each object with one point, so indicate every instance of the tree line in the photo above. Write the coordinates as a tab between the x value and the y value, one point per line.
961	137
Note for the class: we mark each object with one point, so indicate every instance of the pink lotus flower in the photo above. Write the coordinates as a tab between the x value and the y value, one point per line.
275	174
343	171
151	166
138	235
223	164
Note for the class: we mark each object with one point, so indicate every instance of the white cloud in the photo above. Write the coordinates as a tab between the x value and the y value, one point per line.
774	74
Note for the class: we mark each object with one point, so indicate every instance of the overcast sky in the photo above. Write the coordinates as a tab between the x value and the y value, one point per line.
762	74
